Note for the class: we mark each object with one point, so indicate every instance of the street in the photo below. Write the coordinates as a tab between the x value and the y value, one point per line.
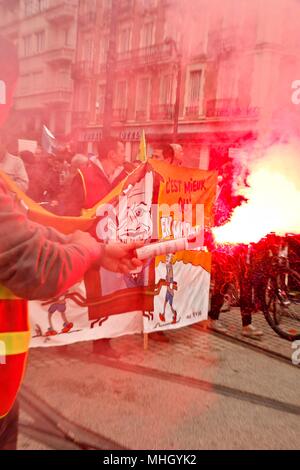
200	391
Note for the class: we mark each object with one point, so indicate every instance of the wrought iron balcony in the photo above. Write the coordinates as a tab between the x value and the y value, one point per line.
60	56
162	112
151	55
82	70
120	114
106	16
229	108
57	95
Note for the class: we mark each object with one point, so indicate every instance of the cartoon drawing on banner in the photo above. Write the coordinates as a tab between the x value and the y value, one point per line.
135	223
55	324
170	293
59	306
128	219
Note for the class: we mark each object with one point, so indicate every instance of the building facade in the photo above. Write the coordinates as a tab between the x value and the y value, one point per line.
210	75
45	34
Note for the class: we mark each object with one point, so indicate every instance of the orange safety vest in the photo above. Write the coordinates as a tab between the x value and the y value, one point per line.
14	344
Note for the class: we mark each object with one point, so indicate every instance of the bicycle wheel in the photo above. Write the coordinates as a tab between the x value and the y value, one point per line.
282	304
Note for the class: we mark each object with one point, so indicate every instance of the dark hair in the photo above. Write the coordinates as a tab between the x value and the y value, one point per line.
168	152
108	145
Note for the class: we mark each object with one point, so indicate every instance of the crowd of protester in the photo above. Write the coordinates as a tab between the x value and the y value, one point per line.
65	182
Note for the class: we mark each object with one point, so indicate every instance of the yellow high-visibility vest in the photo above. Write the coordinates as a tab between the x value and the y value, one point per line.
14	344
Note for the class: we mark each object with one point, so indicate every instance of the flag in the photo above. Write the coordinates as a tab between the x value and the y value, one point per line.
143	147
49	142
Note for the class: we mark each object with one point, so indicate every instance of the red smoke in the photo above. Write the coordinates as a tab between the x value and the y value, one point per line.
273	198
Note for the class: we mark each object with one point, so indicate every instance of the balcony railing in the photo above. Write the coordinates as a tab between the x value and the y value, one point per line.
192	111
87	19
81	118
145	56
162	112
40	96
120	114
82	70
229	108
62	55
57	95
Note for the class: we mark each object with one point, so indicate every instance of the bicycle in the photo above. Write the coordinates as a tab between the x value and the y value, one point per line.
281	302
271	270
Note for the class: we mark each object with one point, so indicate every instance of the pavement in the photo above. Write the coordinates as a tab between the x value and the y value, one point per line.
199	391
270	341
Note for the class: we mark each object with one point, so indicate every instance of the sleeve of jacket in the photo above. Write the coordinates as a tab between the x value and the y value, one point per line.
38	262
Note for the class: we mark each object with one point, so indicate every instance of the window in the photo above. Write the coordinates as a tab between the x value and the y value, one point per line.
23	84
27	45
124	39
143	94
42	5
84	98
227	81
104	44
40	41
89	6
28	7
166	89
63	79
195	88
67	37
120	95
36	81
147	35
32	7
107	4
87	51
27	85
194	93
100	99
